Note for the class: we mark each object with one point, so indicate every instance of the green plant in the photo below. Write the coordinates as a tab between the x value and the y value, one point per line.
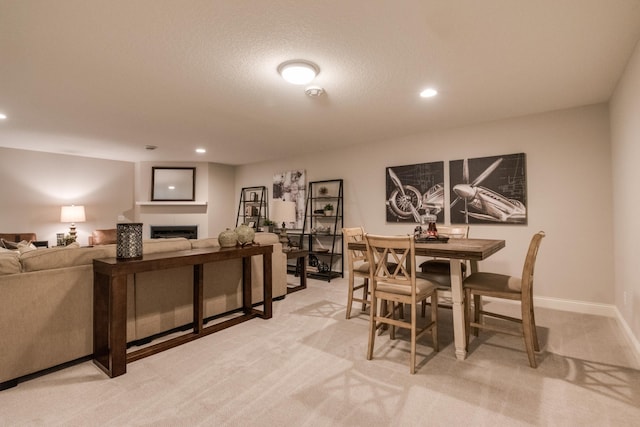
268	222
328	207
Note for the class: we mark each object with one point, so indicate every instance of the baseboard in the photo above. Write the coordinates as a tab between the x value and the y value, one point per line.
575	306
633	341
608	310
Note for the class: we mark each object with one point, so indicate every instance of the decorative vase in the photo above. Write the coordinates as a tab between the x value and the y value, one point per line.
245	234
228	238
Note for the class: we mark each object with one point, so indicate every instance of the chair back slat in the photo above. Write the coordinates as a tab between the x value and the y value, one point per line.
395	251
529	264
354	234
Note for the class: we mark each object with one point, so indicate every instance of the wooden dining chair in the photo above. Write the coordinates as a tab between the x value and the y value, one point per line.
358	268
506	287
438	270
399	286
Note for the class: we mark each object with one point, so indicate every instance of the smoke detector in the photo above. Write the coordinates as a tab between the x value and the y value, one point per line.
314	91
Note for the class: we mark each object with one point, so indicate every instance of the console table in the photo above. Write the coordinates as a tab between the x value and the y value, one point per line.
110	300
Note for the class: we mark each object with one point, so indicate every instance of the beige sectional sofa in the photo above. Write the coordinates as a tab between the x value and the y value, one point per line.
46	300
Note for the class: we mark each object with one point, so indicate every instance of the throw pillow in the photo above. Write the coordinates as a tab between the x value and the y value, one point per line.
104	237
25	246
10	245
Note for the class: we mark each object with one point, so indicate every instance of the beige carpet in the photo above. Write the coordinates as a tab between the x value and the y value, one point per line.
307	367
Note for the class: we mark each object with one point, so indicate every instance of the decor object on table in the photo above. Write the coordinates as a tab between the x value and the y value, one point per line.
413	191
60	239
245	234
269	224
502	197
129	241
284	212
72	214
228	238
173	184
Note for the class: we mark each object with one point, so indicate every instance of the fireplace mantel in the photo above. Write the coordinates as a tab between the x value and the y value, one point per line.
171	203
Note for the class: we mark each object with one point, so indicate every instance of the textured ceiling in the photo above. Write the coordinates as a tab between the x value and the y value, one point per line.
105	78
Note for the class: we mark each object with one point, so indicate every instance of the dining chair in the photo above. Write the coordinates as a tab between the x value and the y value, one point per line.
398	285
438	270
506	287
358	268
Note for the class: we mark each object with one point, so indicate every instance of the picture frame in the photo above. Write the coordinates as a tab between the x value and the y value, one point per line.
252	224
173	184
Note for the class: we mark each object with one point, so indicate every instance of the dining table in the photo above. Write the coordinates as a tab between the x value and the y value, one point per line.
456	250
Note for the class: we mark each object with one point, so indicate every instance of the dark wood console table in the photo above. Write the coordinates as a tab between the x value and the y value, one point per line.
110	300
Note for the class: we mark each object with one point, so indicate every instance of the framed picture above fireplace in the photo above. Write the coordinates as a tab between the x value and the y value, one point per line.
173	184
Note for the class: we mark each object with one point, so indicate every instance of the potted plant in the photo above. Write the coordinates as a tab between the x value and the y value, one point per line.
269	224
323	191
328	209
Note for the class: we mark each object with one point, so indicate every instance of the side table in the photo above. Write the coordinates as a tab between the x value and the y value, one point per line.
300	255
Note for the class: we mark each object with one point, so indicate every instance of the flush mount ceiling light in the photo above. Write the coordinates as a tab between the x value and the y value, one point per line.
428	93
200	150
3	116
298	72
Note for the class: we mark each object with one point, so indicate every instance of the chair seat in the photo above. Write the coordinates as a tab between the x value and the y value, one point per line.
494	283
440	266
423	287
442	280
362	268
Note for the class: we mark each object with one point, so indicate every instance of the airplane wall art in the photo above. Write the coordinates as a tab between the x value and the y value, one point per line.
488	190
415	192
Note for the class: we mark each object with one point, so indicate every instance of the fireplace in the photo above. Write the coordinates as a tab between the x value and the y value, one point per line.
167	231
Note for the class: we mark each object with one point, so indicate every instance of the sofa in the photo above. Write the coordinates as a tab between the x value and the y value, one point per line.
46	300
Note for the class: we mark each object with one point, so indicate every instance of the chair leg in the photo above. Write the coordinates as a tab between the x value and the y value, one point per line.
434	319
534	332
350	296
365	294
467	316
394	313
372	326
412	360
527	331
477	306
424	307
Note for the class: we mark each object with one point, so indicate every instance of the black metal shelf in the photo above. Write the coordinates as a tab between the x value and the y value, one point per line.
324	265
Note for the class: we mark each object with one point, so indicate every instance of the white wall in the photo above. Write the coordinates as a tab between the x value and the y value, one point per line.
569	192
34	185
625	143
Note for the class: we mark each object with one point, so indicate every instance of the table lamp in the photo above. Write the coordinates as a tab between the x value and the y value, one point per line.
72	214
283	212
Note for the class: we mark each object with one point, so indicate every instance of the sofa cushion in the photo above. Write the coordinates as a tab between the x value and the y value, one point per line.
50	258
9	262
104	237
152	246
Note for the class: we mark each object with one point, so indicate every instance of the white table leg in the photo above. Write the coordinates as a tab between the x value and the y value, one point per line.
458	309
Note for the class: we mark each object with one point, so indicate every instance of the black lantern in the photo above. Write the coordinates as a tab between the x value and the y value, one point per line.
129	241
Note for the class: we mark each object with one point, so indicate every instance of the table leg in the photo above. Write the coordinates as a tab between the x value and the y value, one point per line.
458	309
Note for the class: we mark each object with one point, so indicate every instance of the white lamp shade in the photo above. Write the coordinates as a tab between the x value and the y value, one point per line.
72	214
283	211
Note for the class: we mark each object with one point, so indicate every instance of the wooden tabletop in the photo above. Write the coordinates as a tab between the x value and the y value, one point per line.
472	249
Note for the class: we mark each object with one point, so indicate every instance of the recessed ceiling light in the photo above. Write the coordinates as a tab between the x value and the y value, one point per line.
298	72
3	116
200	150
428	93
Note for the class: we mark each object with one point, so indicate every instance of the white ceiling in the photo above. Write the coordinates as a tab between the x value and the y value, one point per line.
103	78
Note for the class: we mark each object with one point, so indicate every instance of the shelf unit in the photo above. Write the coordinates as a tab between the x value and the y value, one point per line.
253	207
322	233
